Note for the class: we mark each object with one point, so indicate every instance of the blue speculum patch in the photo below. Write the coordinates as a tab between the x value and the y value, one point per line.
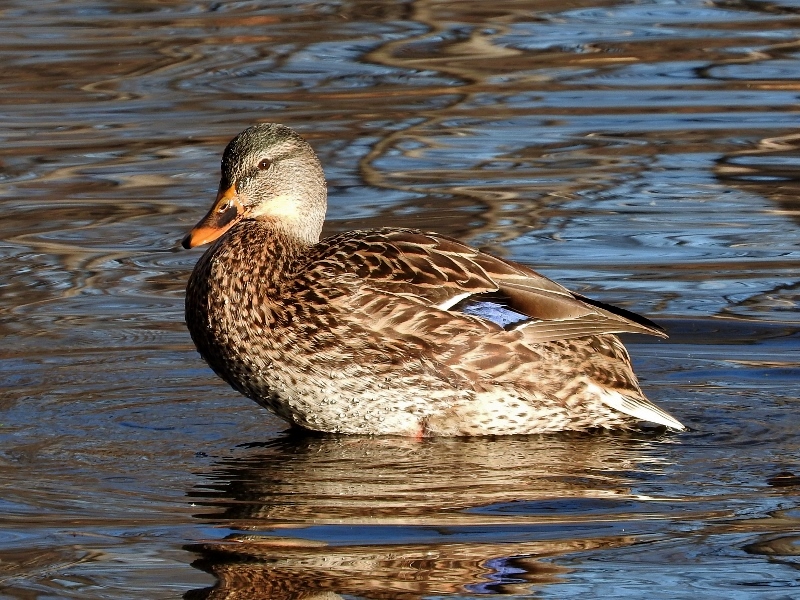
492	308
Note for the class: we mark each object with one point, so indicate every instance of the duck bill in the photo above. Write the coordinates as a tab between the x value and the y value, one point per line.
226	212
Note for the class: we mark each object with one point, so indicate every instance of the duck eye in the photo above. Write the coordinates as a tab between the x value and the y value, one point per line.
264	164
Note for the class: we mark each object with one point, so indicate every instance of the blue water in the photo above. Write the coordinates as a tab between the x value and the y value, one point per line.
643	153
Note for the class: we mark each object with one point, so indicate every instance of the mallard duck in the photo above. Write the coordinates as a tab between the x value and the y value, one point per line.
392	331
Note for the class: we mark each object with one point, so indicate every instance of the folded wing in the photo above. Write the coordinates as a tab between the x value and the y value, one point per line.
441	272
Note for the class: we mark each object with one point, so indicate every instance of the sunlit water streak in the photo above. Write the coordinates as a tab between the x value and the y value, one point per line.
644	153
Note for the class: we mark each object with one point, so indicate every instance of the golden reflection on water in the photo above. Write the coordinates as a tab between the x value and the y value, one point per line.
288	569
485	512
310	480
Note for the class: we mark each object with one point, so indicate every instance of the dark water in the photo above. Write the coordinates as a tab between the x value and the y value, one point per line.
644	153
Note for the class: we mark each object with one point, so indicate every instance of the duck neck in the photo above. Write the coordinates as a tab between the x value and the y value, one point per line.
264	249
251	255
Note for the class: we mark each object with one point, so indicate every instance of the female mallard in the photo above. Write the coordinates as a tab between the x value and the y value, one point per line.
392	331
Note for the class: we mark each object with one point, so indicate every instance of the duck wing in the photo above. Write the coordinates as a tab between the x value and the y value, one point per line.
439	272
412	290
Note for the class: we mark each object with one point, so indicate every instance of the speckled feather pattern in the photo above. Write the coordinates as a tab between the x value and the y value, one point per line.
332	337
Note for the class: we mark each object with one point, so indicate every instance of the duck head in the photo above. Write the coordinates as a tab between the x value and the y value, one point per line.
269	173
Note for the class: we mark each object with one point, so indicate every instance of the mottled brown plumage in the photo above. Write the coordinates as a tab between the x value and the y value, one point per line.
378	332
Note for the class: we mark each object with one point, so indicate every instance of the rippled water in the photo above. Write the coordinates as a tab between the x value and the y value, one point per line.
644	153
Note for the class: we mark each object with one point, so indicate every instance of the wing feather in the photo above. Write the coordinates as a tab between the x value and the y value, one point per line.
407	288
440	272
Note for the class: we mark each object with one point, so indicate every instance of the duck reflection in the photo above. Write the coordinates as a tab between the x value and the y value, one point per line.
321	517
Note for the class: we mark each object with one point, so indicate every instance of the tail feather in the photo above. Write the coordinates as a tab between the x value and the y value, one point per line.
639	408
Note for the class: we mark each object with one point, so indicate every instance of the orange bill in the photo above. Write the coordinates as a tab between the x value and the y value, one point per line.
226	212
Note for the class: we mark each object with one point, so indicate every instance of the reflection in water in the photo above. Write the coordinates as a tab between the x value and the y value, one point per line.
378	517
329	479
288	569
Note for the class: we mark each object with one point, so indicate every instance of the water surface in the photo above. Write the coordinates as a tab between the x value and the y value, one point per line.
643	153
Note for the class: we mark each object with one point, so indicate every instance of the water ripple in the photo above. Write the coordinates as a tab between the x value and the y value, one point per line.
642	153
